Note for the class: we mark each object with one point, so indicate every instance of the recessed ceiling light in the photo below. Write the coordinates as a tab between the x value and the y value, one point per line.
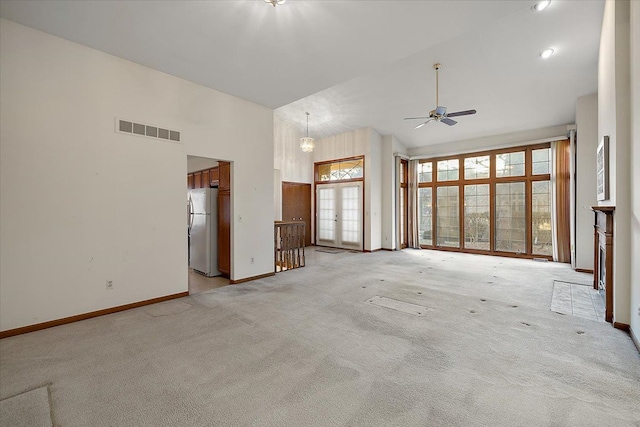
547	53
541	6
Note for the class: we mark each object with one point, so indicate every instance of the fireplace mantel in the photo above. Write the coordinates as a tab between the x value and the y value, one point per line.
603	255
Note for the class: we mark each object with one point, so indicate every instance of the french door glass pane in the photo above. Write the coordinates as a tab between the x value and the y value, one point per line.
510	164
476	217
326	214
350	215
426	215
448	216
510	217
541	218
476	167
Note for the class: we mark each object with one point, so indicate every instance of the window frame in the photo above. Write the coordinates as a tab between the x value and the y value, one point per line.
528	178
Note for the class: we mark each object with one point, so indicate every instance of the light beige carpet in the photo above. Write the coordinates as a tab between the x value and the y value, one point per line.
28	409
305	348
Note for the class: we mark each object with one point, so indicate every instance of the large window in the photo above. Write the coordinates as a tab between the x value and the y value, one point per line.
541	218
448	215
489	202
511	221
425	217
476	217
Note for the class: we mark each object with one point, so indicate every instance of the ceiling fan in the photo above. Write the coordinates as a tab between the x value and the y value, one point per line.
440	113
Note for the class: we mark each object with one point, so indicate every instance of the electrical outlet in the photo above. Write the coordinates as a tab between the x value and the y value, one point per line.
252	260
638	310
109	285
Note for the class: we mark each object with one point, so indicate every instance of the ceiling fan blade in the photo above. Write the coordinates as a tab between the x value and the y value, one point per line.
415	118
462	113
448	121
440	111
422	124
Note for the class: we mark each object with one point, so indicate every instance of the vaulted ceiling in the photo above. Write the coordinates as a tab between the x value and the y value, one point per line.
355	63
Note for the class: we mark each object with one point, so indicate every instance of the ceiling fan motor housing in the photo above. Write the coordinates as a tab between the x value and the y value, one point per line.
440	113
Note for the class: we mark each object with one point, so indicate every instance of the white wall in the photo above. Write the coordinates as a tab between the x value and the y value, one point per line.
390	145
294	164
373	203
81	204
635	170
614	86
586	146
388	193
362	142
290	163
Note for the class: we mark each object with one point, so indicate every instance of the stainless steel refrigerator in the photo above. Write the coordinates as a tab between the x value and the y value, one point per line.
203	231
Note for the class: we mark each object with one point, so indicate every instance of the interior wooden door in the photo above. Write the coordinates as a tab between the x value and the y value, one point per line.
296	205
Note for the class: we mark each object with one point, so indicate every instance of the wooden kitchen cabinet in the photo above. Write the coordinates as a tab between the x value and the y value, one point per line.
214	175
224	218
224	176
205	181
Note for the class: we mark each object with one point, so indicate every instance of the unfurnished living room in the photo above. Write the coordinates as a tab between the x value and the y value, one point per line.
319	213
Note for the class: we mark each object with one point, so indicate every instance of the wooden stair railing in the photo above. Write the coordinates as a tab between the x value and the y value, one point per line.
289	238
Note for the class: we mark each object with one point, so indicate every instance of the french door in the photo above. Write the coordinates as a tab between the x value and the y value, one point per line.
339	215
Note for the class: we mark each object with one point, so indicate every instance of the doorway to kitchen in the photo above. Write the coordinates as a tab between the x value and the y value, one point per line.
208	223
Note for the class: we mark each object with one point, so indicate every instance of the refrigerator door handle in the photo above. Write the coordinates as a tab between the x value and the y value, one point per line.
190	213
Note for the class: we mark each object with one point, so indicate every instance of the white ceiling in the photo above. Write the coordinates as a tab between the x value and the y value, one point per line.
355	63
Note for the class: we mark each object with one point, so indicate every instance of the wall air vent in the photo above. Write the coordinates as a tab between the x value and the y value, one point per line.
133	128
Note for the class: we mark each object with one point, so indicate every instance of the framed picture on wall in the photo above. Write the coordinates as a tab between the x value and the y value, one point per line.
602	165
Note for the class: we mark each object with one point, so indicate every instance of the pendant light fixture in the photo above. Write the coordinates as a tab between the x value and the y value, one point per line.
307	144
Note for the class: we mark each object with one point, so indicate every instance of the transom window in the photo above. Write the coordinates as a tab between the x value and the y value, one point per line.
425	172
476	167
341	170
541	161
448	170
510	164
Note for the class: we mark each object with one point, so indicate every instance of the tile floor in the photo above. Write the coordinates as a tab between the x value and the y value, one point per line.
579	300
199	283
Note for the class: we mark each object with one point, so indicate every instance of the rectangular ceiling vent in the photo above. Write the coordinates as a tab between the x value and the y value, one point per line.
133	128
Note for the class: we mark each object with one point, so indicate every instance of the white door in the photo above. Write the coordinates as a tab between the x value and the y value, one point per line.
339	215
